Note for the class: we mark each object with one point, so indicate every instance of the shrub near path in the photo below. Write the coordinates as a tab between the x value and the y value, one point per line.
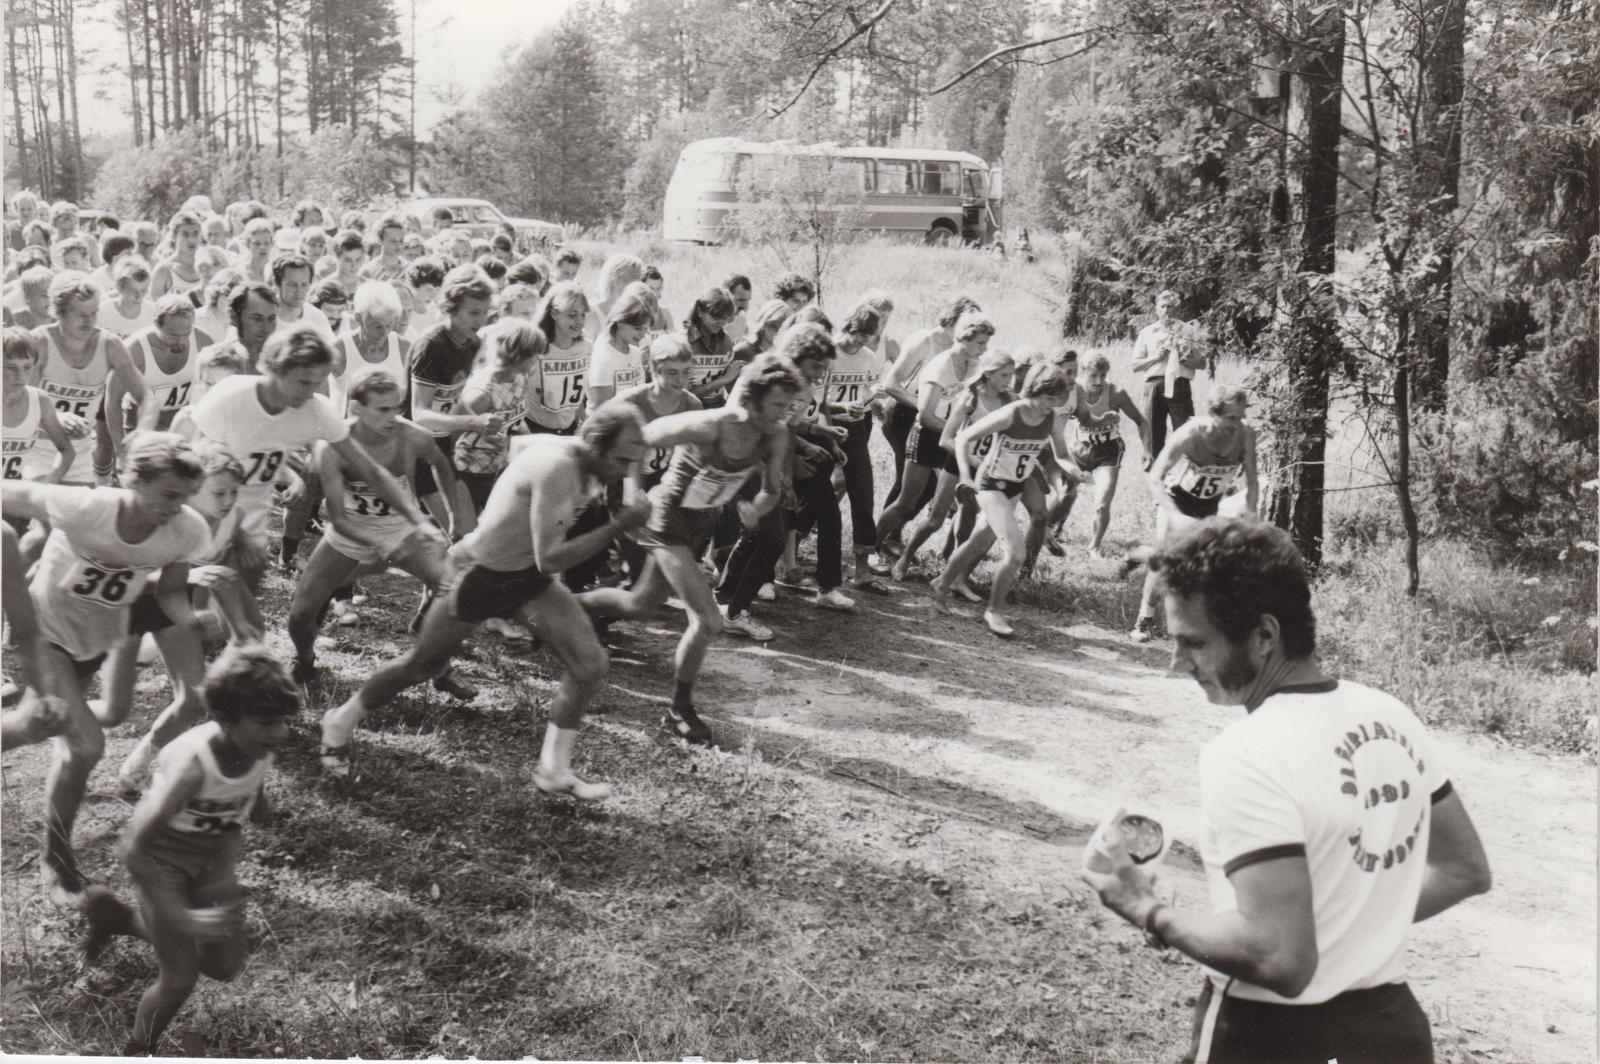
884	866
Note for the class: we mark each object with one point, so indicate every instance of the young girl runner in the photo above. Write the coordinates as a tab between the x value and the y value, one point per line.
1022	431
553	401
616	365
987	390
495	386
104	545
182	844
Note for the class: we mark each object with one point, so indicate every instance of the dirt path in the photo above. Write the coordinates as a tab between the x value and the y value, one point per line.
1066	721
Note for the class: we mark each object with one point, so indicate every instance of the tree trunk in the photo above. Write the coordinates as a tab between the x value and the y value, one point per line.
161	57
1313	343
149	71
16	96
69	16
1438	44
1402	478
277	93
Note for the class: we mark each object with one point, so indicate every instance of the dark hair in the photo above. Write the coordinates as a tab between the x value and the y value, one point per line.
19	342
492	266
374	381
328	290
249	681
610	420
501	242
252	210
239	295
736	280
804	341
34	255
389	221
302	211
1044	379
442	212
353	219
528	272
792	285
713	303
114	243
811	315
349	240
651	273
423	271
300	346
291	260
954	309
766	372
465	283
568	255
1243	571
862	323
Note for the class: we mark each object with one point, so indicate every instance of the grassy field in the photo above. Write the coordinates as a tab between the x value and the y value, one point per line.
774	901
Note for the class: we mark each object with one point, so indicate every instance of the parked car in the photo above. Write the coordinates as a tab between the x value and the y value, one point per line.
483	219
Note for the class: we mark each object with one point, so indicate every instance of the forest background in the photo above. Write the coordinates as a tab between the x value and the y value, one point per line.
1387	209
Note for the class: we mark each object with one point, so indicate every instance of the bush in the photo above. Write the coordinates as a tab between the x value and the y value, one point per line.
153	180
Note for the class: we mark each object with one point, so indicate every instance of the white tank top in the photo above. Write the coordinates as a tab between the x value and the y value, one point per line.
1101	422
851	377
171	392
223	803
355	363
17	441
75	391
180	284
561	378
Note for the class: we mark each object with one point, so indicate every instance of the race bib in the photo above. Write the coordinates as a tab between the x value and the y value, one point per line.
849	387
1202	482
563	382
1015	459
364	502
1103	433
79	399
12	452
262	466
703	368
174	397
201	816
660	458
710	488
102	585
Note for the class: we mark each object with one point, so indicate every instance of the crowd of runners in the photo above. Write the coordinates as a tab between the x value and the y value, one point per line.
185	409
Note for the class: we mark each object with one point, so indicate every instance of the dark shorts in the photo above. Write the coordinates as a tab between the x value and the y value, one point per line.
1011	488
479	593
85	669
1378	1025
674	526
923	447
146	614
950	465
1091	456
1189	506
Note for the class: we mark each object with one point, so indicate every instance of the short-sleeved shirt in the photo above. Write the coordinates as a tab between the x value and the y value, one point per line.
555	390
89	576
439	361
1345	776
232	416
612	367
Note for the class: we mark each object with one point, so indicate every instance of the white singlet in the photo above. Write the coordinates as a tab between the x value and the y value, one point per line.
560	389
88	575
355	363
1099	423
171	392
615	368
113	321
75	391
223	803
17	442
851	377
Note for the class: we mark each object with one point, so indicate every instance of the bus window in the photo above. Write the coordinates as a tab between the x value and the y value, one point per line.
976	183
941	179
895	177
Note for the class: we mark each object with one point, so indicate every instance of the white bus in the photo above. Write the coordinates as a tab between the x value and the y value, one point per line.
939	196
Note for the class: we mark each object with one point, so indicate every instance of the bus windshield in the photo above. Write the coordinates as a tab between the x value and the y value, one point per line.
977	183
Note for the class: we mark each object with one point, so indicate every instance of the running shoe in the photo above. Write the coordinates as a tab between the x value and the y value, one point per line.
745	625
767	592
685	723
344	614
1144	630
358	595
834	600
879	564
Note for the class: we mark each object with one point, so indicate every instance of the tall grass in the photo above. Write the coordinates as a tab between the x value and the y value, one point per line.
1486	646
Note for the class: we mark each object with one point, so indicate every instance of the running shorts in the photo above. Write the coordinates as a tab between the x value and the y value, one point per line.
479	593
923	447
1091	456
1376	1025
391	536
1189	506
1011	488
674	526
193	870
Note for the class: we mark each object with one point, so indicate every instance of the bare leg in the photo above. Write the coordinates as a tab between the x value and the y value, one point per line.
1105	489
563	625
929	522
326	570
1001	513
77	750
914	483
185	660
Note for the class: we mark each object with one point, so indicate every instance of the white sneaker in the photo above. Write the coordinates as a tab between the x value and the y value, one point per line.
344	613
358	597
835	600
745	625
767	592
1143	630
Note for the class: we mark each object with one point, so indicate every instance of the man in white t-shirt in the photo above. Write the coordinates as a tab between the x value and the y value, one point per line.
262	420
1165	354
1328	828
291	276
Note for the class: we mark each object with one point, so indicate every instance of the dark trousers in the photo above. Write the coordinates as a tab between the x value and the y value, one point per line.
1159	407
1379	1025
896	430
819	509
752	563
858	484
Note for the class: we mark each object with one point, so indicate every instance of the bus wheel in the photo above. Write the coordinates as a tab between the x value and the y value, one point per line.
943	235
